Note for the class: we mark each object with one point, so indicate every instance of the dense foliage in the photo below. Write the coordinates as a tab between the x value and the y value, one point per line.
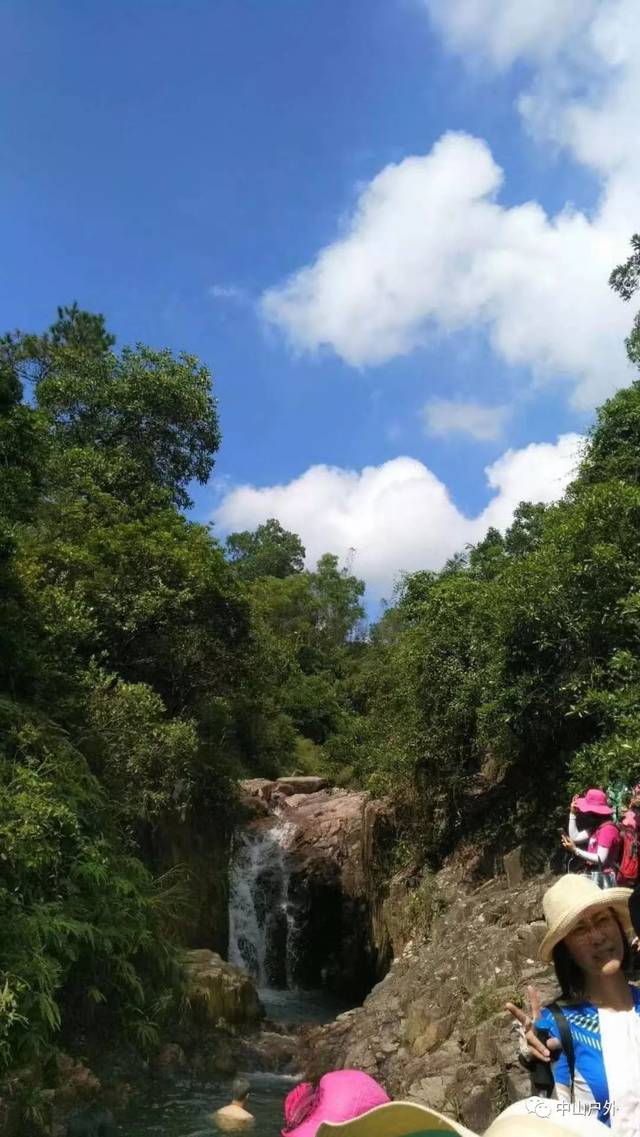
144	667
495	687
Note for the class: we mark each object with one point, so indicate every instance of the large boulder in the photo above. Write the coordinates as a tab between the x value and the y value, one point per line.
218	992
334	880
337	883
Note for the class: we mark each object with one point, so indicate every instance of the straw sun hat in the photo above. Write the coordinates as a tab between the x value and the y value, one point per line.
533	1117
565	902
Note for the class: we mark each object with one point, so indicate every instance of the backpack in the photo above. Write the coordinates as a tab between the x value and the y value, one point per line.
541	1074
629	857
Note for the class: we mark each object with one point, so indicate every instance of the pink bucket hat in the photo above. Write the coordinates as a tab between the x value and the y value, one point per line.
339	1096
594	801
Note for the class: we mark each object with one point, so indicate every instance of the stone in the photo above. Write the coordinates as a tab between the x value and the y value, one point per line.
479	1108
170	1060
435	1028
220	992
485	1050
302	784
336	888
10	1117
433	1035
76	1082
257	787
270	1051
429	1091
513	867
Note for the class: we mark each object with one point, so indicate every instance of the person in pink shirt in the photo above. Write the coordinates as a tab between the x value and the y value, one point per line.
591	824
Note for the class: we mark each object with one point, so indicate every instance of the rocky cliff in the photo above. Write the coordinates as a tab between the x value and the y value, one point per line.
337	879
434	1030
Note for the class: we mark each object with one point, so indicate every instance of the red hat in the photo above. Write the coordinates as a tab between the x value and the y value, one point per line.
594	801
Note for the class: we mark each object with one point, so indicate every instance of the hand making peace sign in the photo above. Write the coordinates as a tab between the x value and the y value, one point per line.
538	1048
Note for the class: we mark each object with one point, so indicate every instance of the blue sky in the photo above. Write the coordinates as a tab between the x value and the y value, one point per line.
170	164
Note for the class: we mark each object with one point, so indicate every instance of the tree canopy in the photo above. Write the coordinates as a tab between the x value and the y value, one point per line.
145	667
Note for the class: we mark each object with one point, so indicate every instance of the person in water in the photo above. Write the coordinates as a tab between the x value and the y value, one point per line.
235	1115
593	1028
339	1096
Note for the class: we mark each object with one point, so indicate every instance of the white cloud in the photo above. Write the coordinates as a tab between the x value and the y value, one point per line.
443	417
585	89
429	248
397	516
228	292
508	29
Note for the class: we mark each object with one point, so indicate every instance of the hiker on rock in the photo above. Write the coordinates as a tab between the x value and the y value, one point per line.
589	1038
591	824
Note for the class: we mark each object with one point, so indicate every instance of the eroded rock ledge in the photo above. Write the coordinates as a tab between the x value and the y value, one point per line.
338	874
434	1029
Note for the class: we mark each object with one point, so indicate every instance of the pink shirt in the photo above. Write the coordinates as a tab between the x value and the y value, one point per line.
606	837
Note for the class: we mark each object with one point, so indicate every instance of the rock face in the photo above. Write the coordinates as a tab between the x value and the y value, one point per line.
434	1029
336	888
333	882
219	992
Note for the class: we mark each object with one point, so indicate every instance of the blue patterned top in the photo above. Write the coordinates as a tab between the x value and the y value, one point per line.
584	1025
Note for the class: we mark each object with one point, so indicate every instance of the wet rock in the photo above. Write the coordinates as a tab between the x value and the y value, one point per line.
76	1082
327	929
257	787
269	1050
9	1117
221	1057
218	992
337	885
170	1061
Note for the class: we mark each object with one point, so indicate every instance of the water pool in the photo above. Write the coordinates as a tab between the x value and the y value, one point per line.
183	1109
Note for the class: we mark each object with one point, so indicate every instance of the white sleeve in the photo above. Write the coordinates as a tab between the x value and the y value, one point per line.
597	858
578	835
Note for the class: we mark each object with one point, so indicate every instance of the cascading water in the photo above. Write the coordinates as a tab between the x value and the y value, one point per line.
262	930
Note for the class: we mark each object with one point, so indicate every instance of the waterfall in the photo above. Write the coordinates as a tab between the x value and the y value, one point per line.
261	924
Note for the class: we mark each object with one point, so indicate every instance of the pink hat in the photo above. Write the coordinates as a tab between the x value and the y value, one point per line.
339	1096
594	801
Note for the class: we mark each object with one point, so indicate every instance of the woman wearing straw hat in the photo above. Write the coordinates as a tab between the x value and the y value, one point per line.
596	830
597	1059
534	1117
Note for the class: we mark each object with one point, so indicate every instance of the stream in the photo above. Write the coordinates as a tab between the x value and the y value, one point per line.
263	939
183	1109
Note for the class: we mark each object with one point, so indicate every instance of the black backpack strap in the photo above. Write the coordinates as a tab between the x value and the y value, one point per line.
566	1040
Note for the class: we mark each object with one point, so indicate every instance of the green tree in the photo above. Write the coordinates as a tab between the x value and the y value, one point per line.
150	416
126	670
268	551
625	280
